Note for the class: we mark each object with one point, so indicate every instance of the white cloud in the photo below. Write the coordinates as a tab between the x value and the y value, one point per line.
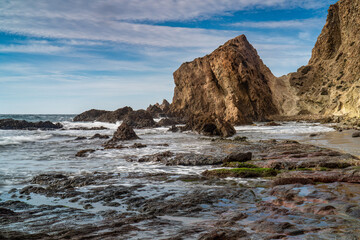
295	24
33	48
153	10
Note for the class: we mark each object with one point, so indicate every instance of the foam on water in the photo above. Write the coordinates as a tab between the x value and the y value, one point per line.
284	131
23	137
69	125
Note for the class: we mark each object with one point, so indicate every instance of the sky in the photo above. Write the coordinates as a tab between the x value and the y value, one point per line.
68	56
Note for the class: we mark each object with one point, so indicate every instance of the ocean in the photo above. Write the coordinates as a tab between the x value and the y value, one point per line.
25	154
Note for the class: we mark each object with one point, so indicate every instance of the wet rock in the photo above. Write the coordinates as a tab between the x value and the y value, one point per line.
241	172
99	136
183	159
238	157
210	126
272	124
167	122
225	234
11	124
272	227
88	206
138	145
174	129
155	111
353	211
159	110
84	153
5	211
80	138
356	134
326	210
124	132
139	119
285	181
351	176
89	129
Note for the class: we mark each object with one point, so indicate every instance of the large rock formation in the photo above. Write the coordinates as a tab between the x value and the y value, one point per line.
231	84
330	83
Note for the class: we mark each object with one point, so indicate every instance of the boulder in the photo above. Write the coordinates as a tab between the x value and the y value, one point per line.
210	126
238	157
124	132
356	134
84	153
97	135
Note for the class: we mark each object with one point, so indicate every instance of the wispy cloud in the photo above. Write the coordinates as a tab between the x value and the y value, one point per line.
33	48
295	24
138	10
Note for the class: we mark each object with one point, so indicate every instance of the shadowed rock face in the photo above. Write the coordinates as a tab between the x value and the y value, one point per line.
231	84
330	83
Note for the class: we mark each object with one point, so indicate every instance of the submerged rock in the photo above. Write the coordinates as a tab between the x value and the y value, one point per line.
11	124
97	135
84	153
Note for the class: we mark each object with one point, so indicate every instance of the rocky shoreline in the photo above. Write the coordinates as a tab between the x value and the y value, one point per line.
305	191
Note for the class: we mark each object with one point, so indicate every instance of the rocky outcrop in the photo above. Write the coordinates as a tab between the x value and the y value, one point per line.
103	116
210	126
124	132
139	119
231	84
330	83
115	116
159	110
90	115
11	124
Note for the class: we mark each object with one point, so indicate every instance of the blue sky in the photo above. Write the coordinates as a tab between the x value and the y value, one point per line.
68	56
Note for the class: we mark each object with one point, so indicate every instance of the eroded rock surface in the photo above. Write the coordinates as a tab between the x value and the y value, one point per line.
231	84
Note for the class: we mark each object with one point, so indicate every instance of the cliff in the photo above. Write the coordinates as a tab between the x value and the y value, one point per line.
234	85
330	83
231	83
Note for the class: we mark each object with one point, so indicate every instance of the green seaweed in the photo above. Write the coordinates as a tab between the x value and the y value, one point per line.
241	172
239	165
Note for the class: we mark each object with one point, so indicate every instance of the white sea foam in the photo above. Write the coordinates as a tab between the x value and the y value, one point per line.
19	139
70	125
285	130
